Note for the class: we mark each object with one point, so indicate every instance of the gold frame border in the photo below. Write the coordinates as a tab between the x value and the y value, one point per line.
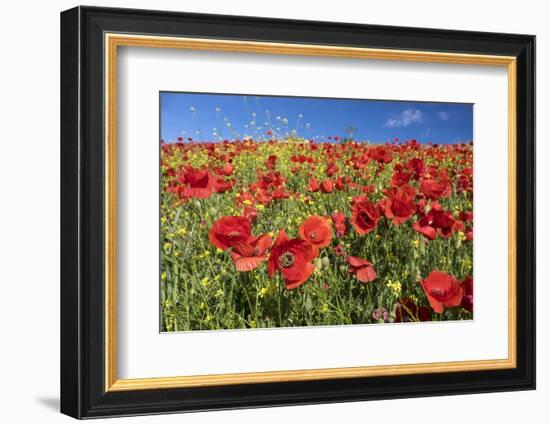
113	41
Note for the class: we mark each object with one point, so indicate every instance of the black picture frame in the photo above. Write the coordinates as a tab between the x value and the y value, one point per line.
82	218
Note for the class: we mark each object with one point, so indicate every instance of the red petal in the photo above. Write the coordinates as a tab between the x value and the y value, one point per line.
427	231
358	262
303	250
214	241
455	300
272	264
436	305
366	274
281	237
197	192
243	249
308	269
263	243
246	264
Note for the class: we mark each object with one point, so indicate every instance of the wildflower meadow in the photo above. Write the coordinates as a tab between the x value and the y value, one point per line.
276	229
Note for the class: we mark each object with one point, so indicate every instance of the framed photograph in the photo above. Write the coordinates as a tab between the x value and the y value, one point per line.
261	212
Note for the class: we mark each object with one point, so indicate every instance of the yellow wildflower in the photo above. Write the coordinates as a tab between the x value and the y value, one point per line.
395	287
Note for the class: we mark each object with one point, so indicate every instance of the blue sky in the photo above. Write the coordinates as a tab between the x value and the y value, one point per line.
215	116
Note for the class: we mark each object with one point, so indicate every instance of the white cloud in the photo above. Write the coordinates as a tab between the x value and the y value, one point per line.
405	118
443	115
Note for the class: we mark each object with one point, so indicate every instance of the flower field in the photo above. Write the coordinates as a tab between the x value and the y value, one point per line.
281	233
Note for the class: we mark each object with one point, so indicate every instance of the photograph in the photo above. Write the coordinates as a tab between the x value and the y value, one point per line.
264	211
280	211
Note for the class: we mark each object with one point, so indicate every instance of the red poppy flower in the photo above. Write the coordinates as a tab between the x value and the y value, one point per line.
271	162
313	185
339	221
249	255
220	185
362	269
271	180
436	188
407	311
424	227
332	169
380	154
229	231
370	188
327	186
401	176
364	215
262	196
436	221
227	169
292	257
198	183
280	194
464	184
467	286
445	222
339	183
317	231
250	213
458	226
417	165
443	291
467	216
400	205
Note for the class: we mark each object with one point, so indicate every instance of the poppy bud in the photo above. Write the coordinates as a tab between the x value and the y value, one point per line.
318	264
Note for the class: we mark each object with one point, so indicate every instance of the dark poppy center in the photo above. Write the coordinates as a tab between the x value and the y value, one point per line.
256	252
286	260
313	236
